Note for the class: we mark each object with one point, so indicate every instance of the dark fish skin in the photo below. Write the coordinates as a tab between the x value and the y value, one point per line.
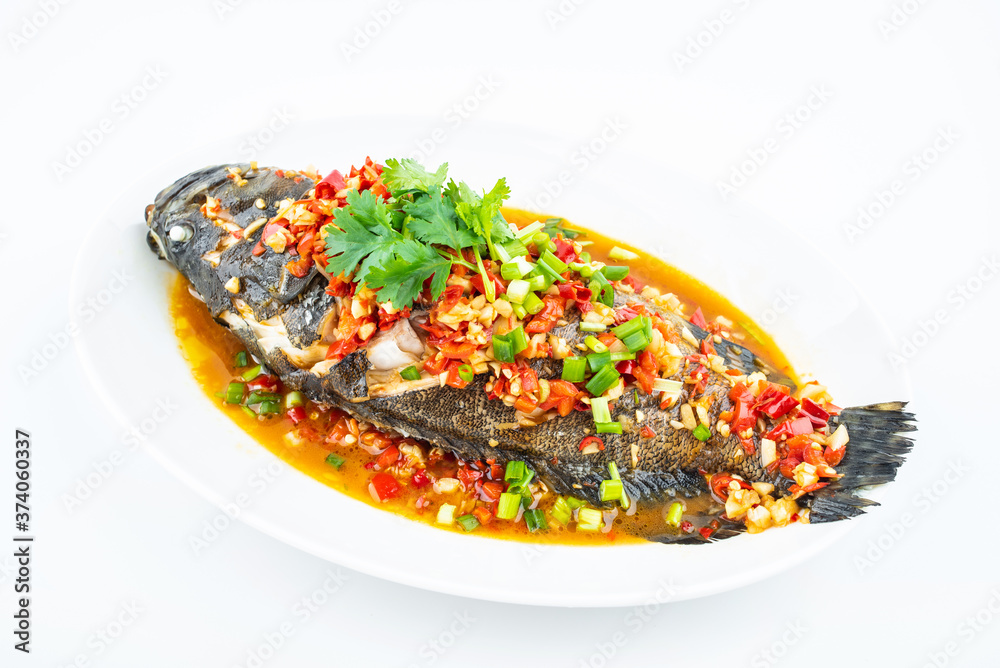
466	421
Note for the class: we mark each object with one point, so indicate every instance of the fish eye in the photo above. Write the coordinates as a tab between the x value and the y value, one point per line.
180	233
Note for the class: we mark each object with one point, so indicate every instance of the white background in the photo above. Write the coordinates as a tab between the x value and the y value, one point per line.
887	594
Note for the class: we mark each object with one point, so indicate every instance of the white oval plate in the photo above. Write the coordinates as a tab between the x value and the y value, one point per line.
131	355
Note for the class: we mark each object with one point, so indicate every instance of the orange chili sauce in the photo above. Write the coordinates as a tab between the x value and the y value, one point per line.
210	349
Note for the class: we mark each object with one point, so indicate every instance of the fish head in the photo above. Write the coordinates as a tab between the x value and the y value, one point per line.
178	231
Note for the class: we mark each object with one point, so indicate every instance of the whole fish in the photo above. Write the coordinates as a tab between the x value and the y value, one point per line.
287	320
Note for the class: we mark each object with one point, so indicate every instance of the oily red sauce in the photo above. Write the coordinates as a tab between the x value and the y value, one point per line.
210	350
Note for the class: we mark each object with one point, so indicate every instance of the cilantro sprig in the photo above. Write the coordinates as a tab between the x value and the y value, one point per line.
419	234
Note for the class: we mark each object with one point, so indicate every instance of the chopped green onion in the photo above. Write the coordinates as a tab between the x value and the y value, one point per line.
518	339
673	387
595	345
675	513
532	304
599	406
592	327
333	459
589	519
613	273
597	361
585	256
619	253
587	270
234	393
577	266
515	471
510	271
575	503
702	433
621	357
517	290
637	341
561	512
609	428
252	372
574	369
466	373
508	506
468	522
503	350
410	373
550	274
613	470
552	262
220	395
515	249
446	514
529	230
631	327
293	399
603	380
519	311
261	397
542	241
535	520
611	490
270	408
249	411
242	359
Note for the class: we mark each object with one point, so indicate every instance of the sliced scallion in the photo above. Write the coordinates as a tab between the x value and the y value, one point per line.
603	380
517	290
252	372
574	502
599	406
508	506
619	253
552	262
574	369
702	433
335	460
597	361
293	399
621	357
637	341
561	512
542	241
468	522
592	327
515	471
519	311
589	519
234	393
249	411
535	519
410	373
261	397
527	232
466	373
518	339
594	344
242	359
532	304
613	273
611	490
502	348
270	408
609	428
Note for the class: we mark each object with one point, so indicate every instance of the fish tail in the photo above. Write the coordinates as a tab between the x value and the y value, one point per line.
876	450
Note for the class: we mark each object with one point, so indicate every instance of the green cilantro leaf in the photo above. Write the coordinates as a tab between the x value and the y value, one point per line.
365	237
436	222
401	279
406	175
482	214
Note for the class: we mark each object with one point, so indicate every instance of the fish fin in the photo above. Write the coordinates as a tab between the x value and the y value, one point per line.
696	538
876	449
